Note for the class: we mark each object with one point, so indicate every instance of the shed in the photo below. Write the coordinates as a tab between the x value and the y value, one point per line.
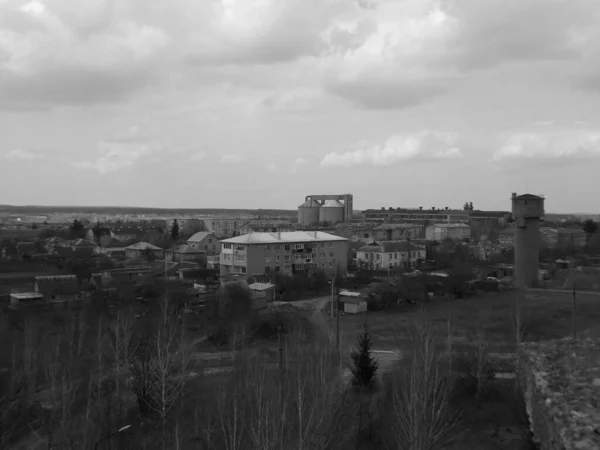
25	298
57	287
353	302
263	291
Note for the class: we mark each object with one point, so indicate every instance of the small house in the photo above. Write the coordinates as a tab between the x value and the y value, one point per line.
353	302
57	288
185	253
263	292
143	250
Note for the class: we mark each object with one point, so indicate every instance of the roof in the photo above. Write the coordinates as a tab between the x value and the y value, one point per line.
478	212
114	243
386	226
261	286
391	246
528	197
185	249
82	243
283	237
450	225
350	294
26	296
200	236
143	246
100	231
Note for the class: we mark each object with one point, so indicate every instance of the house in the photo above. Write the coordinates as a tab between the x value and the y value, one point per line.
571	237
287	252
548	237
262	292
143	251
185	253
125	275
54	242
25	298
506	238
205	241
388	254
353	302
57	288
102	236
442	231
112	249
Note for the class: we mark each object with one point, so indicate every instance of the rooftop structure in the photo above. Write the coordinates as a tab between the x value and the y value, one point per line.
283	237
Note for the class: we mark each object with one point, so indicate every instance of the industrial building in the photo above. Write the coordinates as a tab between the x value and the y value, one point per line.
325	209
419	215
284	252
527	211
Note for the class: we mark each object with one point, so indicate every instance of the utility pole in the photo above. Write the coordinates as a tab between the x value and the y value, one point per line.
333	286
281	369
337	329
574	312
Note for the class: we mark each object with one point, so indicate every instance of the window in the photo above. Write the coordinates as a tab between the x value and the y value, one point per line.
299	266
322	245
330	244
330	265
314	256
243	270
331	254
286	257
240	257
205	247
267	259
287	267
210	240
227	246
239	248
298	257
278	248
277	258
323	254
298	246
268	248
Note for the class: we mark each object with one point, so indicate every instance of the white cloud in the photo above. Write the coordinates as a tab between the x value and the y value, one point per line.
197	157
25	155
231	159
123	152
301	161
420	146
550	145
272	167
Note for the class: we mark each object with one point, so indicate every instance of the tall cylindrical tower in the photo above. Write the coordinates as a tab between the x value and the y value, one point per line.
527	211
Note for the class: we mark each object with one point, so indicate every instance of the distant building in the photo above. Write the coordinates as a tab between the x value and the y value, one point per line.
205	241
442	231
185	253
57	287
143	251
25	249
285	252
112	249
267	227
416	215
102	236
127	275
387	254
186	225
506	238
383	232
571	237
229	227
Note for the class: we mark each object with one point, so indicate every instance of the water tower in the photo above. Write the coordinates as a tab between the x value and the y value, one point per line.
527	211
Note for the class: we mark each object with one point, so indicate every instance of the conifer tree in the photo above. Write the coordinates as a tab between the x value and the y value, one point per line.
363	366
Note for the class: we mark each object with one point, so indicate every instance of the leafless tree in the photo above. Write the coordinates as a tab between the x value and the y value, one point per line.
421	402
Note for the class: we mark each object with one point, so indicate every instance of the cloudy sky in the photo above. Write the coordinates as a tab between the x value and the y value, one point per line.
256	103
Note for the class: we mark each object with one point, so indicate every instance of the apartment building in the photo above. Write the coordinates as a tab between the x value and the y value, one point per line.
383	255
229	227
384	232
286	252
416	215
443	231
186	225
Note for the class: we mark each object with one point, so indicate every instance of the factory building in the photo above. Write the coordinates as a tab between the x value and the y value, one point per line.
325	209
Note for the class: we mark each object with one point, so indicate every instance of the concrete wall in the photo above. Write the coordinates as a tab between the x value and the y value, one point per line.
527	250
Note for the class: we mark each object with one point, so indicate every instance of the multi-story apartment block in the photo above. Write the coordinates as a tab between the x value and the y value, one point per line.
285	252
442	231
383	255
416	215
228	227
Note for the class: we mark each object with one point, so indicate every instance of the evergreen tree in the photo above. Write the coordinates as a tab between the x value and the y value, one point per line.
363	367
175	230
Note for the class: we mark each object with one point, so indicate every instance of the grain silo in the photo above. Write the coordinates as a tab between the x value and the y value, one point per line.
308	213
331	212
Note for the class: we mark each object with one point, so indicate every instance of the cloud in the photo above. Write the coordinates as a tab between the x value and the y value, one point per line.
272	167
123	152
560	146
231	159
197	157
301	161
23	155
399	148
294	99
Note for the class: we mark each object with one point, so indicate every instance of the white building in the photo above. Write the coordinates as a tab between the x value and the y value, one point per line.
287	252
441	231
383	255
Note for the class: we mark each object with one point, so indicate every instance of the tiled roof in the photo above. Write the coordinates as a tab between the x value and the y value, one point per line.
143	246
391	246
283	237
200	236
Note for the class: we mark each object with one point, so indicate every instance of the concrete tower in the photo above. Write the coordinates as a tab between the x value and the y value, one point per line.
527	210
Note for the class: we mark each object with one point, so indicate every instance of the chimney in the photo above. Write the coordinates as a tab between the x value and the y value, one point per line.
315	233
514	195
278	235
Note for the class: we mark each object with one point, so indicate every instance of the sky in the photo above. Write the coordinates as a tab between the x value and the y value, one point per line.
258	103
